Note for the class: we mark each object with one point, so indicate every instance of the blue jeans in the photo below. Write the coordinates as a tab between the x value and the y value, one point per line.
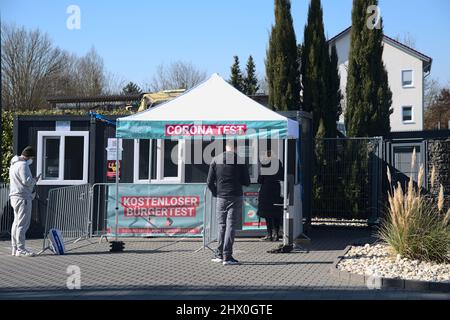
228	211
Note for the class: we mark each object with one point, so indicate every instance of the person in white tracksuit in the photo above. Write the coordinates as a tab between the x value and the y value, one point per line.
21	195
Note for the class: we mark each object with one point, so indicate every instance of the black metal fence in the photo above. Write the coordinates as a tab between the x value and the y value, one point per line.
347	178
6	212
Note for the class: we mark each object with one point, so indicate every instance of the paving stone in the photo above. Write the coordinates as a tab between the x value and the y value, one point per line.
171	269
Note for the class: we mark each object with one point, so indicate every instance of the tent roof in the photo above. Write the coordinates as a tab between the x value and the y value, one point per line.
214	100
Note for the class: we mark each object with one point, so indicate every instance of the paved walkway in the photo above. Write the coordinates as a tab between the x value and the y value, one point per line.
171	269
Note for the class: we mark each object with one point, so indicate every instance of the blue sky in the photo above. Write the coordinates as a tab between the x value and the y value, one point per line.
134	36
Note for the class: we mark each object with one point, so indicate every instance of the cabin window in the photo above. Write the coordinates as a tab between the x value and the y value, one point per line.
147	159
62	157
153	161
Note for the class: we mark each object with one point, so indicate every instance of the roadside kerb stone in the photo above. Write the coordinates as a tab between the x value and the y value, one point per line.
386	283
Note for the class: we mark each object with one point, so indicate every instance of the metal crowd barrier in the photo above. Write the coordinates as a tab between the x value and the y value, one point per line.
6	211
210	227
80	212
99	204
68	209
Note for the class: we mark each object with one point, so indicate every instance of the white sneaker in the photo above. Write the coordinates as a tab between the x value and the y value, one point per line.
25	253
13	251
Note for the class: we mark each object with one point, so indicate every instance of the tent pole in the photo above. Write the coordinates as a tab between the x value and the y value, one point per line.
117	184
285	198
150	160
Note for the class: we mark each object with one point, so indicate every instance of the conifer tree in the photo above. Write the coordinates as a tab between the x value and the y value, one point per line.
131	88
314	69
236	79
334	108
250	80
281	61
368	95
320	164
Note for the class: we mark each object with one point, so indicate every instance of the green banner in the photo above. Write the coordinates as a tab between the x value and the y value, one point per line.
140	129
157	210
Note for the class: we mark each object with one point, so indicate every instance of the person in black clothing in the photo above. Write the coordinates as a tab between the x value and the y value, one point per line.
270	202
226	177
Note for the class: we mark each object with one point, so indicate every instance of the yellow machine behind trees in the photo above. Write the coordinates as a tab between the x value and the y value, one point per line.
148	100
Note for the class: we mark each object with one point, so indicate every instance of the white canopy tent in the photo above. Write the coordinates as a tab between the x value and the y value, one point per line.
212	103
213	109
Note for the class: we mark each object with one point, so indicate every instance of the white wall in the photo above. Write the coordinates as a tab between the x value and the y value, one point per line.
343	50
395	60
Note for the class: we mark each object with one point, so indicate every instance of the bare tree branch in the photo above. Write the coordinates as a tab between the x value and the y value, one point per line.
33	69
407	39
179	75
29	62
432	89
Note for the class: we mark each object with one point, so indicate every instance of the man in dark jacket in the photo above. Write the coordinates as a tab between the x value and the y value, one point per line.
227	174
270	202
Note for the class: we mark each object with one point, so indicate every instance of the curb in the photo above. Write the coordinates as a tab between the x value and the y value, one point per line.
386	283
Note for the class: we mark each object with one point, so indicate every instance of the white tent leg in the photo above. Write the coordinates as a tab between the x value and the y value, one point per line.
117	246
117	184
285	198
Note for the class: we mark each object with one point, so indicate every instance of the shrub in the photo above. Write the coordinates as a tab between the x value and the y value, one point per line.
415	227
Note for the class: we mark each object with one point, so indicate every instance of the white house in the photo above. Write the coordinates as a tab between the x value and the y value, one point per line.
407	69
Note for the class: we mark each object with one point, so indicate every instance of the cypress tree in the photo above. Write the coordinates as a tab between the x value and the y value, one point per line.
281	61
320	166
334	108
369	98
250	81
314	69
237	79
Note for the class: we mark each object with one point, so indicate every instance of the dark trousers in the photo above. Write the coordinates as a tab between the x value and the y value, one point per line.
228	211
273	225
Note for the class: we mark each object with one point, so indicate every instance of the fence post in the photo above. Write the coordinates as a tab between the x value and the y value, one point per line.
91	212
49	204
380	177
376	177
208	230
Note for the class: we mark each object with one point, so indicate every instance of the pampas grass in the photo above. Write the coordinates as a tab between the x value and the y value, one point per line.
441	199
433	176
414	227
447	217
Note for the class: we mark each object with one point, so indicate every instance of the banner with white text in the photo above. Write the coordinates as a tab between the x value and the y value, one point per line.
157	210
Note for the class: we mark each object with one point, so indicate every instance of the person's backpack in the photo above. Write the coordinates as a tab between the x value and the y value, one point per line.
56	241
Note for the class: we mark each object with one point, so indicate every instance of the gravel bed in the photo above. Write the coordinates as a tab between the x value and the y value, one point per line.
376	260
338	222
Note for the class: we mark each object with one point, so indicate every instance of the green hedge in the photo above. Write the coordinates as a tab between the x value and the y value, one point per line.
7	133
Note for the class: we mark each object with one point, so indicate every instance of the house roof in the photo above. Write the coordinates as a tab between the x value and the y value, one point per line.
426	59
101	98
